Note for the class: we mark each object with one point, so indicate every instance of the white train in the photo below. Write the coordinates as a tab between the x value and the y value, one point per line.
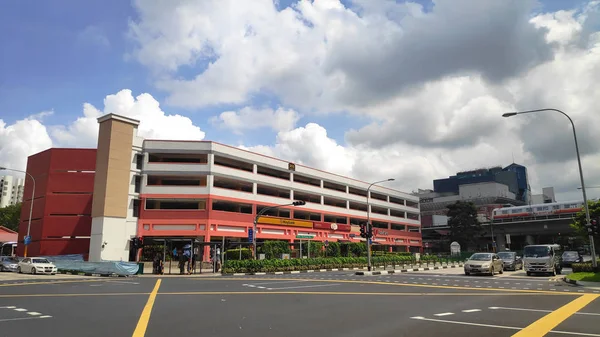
555	208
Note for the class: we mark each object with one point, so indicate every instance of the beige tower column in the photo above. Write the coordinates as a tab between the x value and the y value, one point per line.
110	230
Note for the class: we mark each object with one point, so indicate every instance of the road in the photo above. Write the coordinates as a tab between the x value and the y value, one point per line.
432	303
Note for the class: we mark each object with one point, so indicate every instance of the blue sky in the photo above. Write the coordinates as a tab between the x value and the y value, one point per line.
55	57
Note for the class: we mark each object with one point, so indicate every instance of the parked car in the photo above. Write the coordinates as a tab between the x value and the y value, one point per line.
511	260
484	263
9	263
37	265
569	257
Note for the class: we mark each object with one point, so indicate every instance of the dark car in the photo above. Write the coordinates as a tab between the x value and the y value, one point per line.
511	260
569	257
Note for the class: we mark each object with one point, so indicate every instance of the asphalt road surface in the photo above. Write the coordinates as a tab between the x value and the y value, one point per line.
436	303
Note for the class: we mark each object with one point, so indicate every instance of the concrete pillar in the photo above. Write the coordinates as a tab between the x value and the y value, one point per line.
500	242
529	240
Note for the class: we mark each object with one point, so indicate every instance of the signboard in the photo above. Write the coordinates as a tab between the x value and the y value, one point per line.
381	232
292	167
332	226
455	248
27	240
250	235
508	238
300	236
284	222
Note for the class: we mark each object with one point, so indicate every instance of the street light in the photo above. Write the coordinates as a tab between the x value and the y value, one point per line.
369	227
585	201
262	211
30	207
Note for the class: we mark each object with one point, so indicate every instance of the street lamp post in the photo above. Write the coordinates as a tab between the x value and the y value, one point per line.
30	207
263	211
585	200
369	227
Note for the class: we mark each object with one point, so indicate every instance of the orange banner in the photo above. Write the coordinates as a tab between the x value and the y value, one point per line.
284	222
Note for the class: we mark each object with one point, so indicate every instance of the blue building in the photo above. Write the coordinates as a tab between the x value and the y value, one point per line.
514	176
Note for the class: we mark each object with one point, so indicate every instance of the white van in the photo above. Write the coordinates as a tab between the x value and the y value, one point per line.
542	259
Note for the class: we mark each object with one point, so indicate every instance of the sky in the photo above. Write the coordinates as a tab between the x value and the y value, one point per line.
371	89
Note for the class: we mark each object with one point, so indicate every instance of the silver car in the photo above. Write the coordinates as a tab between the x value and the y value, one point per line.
484	263
8	263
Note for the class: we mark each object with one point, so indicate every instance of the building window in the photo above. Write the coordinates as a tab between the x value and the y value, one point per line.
412	204
178	158
397	201
232	184
233	207
307	197
358	207
176	204
302	215
398	214
176	180
272	172
335	219
307	180
334	202
378	196
136	207
334	186
139	161
273	191
379	224
356	191
277	212
398	227
234	164
412	216
379	210
137	183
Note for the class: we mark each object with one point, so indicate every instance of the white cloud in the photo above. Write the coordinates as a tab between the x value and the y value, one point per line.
154	123
30	135
250	118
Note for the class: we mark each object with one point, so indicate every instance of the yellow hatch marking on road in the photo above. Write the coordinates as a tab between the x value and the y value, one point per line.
545	324
400	284
48	282
142	325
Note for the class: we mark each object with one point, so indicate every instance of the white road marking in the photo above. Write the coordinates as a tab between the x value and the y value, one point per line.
313	286
20	319
256	284
9	307
45	316
20	309
500	326
541	310
33	313
472	310
445	314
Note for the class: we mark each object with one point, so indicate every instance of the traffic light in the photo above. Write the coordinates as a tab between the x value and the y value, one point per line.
299	203
369	231
593	229
363	230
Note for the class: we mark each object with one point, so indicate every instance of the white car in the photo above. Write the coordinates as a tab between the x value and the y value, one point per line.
36	265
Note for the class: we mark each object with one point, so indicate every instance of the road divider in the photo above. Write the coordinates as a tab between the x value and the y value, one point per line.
397	271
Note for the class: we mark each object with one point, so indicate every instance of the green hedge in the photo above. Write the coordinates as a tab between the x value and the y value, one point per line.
273	265
584	267
234	254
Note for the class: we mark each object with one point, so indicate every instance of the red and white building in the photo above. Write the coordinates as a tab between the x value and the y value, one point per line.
198	189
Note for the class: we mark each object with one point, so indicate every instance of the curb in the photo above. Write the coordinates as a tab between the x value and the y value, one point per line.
290	272
91	274
398	271
568	280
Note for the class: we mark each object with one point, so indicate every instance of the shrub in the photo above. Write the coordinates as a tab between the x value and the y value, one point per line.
582	267
274	249
234	254
272	265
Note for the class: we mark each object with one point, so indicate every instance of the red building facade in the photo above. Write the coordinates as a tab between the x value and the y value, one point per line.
61	219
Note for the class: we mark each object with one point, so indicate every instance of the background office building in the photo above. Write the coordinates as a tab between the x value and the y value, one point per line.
94	201
487	188
11	190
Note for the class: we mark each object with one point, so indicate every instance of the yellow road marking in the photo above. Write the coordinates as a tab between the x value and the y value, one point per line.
400	284
545	324
48	282
142	325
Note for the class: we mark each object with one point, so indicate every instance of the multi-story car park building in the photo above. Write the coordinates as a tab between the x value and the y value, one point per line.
164	189
11	190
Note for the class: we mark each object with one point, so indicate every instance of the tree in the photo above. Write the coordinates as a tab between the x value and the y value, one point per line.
579	221
463	223
10	216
